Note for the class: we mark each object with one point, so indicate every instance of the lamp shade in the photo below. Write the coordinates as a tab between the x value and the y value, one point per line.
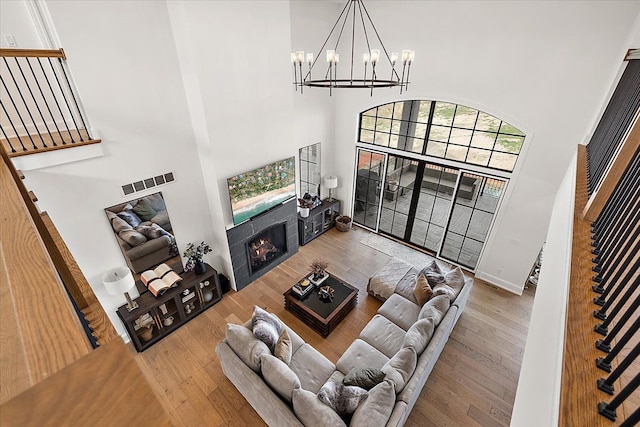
331	181
118	281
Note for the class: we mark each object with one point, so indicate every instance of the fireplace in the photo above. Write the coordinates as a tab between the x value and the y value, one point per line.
260	244
266	247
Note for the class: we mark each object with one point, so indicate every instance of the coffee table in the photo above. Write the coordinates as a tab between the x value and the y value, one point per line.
323	316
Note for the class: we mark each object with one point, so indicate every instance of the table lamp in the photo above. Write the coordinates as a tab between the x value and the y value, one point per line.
330	182
121	280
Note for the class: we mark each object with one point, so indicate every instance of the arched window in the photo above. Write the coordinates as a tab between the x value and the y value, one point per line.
443	130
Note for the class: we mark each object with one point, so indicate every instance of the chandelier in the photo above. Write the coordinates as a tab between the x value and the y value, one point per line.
354	14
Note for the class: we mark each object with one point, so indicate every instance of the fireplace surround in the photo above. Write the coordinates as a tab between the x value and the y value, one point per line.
260	244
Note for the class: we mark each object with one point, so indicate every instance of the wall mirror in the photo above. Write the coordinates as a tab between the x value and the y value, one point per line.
310	170
144	233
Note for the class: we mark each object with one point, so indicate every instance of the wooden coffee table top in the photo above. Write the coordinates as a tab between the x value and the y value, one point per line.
322	315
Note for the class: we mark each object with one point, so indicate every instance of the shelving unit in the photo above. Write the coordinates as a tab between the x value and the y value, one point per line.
532	279
169	311
320	219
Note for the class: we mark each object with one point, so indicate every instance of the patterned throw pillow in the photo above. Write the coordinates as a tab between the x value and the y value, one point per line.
344	399
130	217
266	327
144	210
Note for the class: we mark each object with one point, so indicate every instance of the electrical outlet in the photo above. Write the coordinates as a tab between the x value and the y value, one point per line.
11	41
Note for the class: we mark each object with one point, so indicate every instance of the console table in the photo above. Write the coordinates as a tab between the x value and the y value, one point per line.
169	311
320	219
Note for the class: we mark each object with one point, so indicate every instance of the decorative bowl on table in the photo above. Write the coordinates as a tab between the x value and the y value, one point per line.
326	293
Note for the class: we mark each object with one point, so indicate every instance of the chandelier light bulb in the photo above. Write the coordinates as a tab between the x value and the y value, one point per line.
331	55
375	56
365	58
394	58
336	58
407	56
309	57
293	57
300	56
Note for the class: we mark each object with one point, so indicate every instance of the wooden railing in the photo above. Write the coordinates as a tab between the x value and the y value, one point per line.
51	375
40	109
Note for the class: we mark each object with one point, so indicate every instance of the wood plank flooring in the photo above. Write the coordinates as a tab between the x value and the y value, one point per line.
473	382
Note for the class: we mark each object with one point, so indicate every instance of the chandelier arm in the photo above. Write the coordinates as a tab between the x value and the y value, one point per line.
364	27
327	39
353	38
378	35
342	28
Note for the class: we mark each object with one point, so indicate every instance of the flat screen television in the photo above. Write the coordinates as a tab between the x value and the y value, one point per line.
259	190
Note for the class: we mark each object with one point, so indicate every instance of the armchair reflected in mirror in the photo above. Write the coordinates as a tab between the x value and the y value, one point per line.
144	233
310	170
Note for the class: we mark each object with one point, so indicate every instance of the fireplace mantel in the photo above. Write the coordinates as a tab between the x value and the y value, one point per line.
240	235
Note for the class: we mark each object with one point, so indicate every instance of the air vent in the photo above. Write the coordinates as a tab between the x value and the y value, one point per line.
147	183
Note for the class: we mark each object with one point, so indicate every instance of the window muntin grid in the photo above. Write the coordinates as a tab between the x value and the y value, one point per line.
445	130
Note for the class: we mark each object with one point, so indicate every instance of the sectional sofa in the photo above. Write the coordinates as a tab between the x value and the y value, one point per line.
403	340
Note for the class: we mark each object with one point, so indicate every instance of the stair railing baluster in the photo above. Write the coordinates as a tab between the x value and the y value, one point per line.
44	121
632	420
44	144
602	328
13	150
620	264
73	96
66	102
44	98
66	125
618	230
604	363
19	116
606	384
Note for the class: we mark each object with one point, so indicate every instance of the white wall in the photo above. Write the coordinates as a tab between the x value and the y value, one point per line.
126	70
16	21
542	66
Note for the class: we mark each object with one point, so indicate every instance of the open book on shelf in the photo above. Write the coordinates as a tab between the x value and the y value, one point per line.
160	279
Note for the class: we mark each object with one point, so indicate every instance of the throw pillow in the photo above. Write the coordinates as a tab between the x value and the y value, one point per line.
312	412
279	376
266	327
376	410
155	201
421	290
283	348
435	308
344	399
419	335
367	378
119	224
144	210
151	230
245	345
129	216
431	268
455	280
132	237
400	367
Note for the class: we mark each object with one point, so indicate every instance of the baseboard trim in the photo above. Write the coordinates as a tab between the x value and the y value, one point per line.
501	283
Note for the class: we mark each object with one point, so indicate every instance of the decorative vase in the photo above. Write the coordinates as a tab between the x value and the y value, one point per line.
147	334
200	268
304	212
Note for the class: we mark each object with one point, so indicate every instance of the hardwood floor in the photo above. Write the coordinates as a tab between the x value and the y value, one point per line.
473	382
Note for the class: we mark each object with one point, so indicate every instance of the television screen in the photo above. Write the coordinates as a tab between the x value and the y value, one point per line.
261	189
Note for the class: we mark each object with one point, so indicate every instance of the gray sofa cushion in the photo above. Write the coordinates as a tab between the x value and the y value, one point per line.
383	334
361	355
428	358
279	376
400	367
311	367
406	284
376	410
245	345
400	311
419	335
383	283
435	308
312	412
367	378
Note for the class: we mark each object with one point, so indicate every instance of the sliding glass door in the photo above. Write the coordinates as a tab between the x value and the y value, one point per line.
414	201
368	184
476	202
